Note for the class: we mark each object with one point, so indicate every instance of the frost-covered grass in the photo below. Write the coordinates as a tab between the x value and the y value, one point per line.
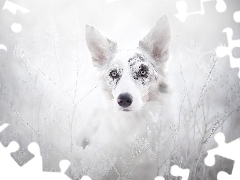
47	82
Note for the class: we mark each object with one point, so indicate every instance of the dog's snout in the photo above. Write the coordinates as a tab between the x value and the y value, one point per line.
124	100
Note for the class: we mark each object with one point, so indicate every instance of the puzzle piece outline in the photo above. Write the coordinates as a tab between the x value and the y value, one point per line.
221	7
228	150
223	51
31	170
183	13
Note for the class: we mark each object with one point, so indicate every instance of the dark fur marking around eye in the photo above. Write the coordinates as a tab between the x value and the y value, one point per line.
136	58
114	76
143	71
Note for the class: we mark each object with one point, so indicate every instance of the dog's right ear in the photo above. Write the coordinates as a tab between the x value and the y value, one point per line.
100	47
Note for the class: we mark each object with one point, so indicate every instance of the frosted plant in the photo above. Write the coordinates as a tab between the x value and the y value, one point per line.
48	87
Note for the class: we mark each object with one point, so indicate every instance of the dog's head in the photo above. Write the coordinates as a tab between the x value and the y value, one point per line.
132	77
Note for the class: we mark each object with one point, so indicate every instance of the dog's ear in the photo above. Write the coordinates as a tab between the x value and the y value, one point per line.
99	46
156	42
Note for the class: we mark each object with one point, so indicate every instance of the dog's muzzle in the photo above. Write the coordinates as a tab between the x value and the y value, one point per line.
124	100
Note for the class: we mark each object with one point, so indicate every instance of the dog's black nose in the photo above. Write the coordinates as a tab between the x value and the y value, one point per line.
124	100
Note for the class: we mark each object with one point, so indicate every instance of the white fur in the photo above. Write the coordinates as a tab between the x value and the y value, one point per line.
114	130
126	83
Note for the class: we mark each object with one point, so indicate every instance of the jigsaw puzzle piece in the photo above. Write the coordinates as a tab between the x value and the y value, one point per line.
221	6
235	175
22	156
6	20
64	164
222	51
224	176
32	170
9	164
86	178
210	16
232	13
34	149
192	5
236	16
8	15
36	166
159	178
177	171
228	150
13	8
20	130
2	46
183	9
2	4
16	27
10	134
3	126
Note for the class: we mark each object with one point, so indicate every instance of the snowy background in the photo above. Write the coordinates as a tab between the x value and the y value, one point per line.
46	72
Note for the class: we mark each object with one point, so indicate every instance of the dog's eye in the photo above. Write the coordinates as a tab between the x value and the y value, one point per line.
143	71
114	74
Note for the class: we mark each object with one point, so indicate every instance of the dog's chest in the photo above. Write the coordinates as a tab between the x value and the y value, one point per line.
115	133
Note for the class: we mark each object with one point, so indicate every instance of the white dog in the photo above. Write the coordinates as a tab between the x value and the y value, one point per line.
131	129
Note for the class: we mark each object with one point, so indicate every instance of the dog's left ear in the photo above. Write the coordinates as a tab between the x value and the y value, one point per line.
157	41
100	47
